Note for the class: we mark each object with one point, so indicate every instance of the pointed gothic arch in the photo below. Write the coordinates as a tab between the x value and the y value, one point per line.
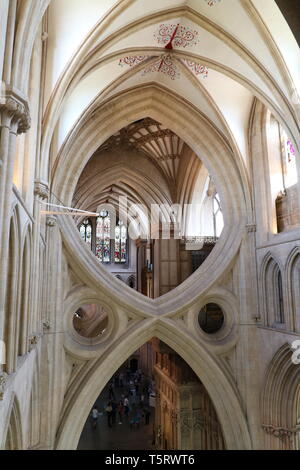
280	402
272	293
14	436
219	386
292	273
11	324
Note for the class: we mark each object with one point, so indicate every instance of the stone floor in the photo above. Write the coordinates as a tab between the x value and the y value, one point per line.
119	436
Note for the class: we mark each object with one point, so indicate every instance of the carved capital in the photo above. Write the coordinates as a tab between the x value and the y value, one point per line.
251	228
15	106
3	381
51	221
41	189
46	325
33	341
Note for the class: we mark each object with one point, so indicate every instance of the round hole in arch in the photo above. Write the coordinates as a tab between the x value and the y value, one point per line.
90	321
211	318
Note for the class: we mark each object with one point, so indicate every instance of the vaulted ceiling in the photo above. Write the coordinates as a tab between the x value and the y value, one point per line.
232	53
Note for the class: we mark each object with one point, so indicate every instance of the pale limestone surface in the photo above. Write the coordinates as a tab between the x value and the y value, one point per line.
51	377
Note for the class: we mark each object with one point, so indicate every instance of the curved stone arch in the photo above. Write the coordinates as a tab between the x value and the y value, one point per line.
24	293
292	280
30	16
80	66
76	344
280	401
269	271
219	386
13	435
10	324
147	190
198	134
178	115
227	337
34	410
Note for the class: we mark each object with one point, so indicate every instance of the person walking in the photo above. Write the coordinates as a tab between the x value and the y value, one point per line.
95	416
114	412
147	414
120	412
126	407
108	410
111	393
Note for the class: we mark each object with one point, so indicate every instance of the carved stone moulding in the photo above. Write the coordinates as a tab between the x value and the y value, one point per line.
15	105
280	432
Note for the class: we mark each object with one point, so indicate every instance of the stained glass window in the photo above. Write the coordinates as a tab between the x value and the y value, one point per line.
289	161
103	237
86	232
120	243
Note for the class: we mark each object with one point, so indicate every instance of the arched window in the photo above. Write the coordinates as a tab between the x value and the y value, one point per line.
273	295
288	160
120	243
279	312
103	237
109	244
218	216
86	232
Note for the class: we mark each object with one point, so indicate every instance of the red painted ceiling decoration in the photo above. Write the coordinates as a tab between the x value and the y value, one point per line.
132	60
211	3
172	35
196	68
165	65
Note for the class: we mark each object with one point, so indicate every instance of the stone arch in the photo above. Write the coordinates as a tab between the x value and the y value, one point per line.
292	275
223	393
73	74
146	101
24	296
272	292
11	326
14	436
30	16
34	412
280	402
187	123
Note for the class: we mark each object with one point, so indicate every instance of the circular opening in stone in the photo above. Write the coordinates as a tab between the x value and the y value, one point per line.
90	321
211	318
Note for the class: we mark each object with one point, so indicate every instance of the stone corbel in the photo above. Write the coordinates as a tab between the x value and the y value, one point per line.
51	221
3	381
16	107
33	341
46	326
41	189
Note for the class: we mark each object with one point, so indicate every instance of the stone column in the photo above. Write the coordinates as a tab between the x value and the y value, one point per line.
53	356
41	193
15	120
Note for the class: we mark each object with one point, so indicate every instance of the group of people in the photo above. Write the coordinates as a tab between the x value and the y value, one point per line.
132	406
